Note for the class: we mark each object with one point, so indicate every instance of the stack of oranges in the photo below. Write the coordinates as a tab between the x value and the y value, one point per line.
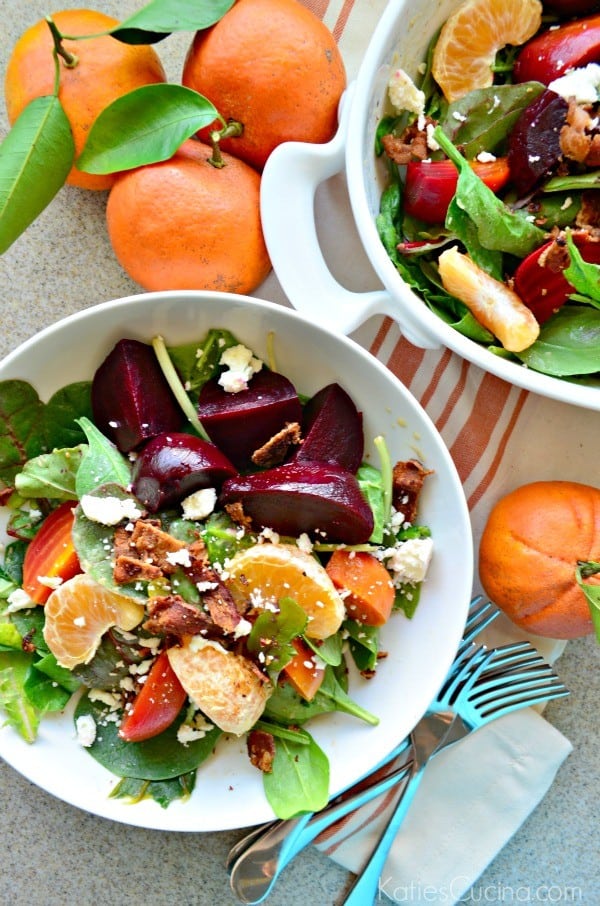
271	65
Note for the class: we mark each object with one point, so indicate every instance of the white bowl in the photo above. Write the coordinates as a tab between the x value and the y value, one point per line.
294	171
229	791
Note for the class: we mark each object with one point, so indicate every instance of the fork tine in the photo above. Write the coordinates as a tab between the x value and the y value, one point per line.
500	691
467	673
512	662
526	699
513	653
480	616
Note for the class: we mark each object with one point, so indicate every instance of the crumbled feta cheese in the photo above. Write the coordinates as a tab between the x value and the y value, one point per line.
50	581
111	699
197	728
200	504
485	157
85	726
179	558
581	84
243	628
267	534
304	543
404	94
79	621
566	203
431	142
242	366
18	600
409	560
109	510
206	586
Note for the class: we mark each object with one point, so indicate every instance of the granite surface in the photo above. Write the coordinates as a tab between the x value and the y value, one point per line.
54	854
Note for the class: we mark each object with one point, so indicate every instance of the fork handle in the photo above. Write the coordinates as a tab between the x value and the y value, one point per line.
364	889
256	870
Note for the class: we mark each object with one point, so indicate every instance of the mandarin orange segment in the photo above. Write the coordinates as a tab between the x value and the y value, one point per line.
265	573
79	612
472	36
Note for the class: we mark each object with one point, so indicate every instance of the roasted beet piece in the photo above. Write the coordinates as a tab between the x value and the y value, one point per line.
534	142
322	499
240	423
539	280
131	399
173	465
332	429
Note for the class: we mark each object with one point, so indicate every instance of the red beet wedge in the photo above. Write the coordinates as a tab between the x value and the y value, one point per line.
131	399
534	141
539	281
556	50
240	423
322	499
332	429
173	465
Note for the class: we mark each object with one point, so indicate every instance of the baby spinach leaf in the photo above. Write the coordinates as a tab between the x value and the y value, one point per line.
483	219
483	119
575	181
30	623
162	791
272	633
582	275
101	463
145	126
299	781
159	18
29	427
568	343
51	475
370	481
45	694
21	714
329	650
159	758
35	159
407	599
62	411
364	644
198	363
287	706
10	637
223	538
94	544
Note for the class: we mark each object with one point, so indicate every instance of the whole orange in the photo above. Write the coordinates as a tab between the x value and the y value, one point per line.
184	224
106	69
530	547
273	66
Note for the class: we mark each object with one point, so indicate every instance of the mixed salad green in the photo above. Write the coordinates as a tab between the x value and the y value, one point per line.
54	460
524	216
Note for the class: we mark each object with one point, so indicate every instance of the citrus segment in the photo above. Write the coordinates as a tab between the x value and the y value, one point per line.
79	612
226	687
106	69
472	36
267	572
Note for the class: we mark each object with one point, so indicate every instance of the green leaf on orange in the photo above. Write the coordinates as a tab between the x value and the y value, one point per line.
159	18
145	126
35	159
584	571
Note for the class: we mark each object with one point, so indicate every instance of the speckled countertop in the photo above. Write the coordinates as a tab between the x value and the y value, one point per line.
54	854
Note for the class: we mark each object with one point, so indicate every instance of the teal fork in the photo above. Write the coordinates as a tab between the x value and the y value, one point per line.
493	683
256	861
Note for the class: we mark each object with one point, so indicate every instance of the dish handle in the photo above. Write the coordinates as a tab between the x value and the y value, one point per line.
290	179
